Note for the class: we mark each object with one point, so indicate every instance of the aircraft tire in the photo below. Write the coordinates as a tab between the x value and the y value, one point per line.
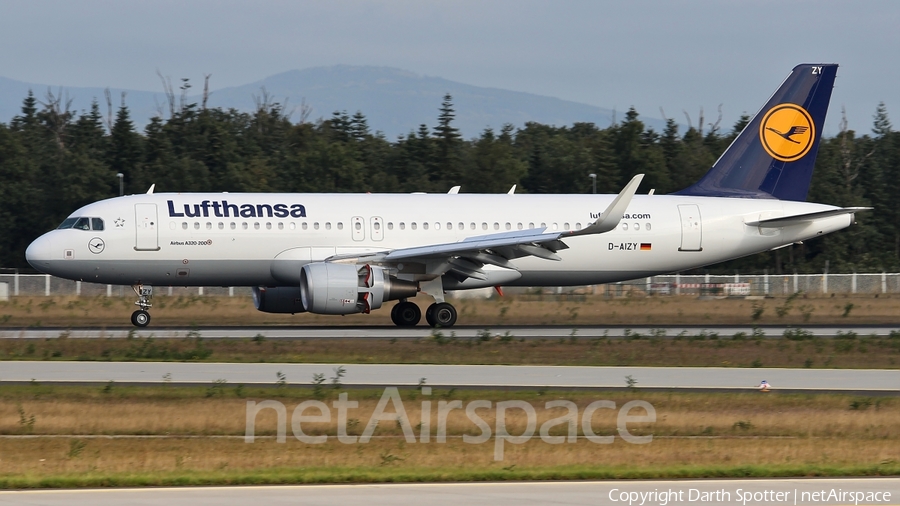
406	314
443	315
429	315
140	318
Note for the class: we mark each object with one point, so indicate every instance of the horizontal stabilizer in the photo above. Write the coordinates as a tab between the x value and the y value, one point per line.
797	219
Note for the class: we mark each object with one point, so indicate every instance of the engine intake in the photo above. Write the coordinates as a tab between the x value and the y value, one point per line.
329	288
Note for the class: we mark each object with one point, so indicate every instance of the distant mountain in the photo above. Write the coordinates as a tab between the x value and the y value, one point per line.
394	101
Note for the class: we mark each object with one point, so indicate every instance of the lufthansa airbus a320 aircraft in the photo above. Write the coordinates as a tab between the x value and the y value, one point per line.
351	253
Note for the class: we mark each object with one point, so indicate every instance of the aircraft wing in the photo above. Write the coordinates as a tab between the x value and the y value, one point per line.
498	249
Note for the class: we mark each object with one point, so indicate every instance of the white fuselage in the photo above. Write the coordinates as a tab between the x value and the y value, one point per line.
214	239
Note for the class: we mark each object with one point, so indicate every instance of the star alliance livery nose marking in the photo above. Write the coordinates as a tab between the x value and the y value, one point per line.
787	132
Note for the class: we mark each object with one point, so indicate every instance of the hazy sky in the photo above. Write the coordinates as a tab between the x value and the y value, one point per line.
679	55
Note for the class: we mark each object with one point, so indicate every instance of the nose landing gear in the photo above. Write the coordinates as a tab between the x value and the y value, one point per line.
141	317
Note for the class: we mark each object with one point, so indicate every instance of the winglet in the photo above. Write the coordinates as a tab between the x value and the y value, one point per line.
610	218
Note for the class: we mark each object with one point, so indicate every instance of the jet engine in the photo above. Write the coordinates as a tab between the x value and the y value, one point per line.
281	299
331	288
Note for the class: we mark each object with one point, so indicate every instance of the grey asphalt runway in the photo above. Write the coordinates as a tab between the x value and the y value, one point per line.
619	493
869	380
462	332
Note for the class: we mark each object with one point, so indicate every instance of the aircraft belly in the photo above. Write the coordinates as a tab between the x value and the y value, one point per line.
203	272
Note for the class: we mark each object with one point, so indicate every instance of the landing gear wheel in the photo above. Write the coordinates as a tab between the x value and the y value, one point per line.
441	314
406	314
140	318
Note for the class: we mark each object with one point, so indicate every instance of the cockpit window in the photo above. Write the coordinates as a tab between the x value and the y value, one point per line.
82	223
67	223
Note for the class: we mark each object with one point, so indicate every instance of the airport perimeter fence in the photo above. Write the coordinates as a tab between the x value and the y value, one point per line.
13	284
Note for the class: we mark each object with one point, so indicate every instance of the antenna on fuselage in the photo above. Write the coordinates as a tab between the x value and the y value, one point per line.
454	190
150	191
511	190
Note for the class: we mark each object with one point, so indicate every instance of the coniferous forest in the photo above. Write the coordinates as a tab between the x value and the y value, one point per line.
53	160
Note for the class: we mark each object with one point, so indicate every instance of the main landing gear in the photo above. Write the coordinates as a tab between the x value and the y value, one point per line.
141	317
408	314
441	314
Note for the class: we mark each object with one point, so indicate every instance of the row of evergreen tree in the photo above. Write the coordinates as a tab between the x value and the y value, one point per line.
53	160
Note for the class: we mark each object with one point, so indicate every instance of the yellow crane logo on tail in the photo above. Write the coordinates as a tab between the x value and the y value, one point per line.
787	132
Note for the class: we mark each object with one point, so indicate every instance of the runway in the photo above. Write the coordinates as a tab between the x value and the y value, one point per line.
619	493
500	376
461	332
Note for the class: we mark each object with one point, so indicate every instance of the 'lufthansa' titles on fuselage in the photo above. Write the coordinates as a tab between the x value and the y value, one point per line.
222	209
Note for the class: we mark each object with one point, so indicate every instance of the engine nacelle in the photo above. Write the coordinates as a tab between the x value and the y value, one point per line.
330	288
281	299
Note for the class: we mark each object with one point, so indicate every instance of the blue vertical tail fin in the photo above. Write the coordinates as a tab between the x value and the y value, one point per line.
774	156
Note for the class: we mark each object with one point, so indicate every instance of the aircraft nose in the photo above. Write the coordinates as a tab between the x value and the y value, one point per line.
38	253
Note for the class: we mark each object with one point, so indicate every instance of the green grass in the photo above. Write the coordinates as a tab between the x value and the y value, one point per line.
795	349
318	475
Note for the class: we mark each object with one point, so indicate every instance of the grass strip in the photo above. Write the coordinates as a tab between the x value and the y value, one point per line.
298	476
796	349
